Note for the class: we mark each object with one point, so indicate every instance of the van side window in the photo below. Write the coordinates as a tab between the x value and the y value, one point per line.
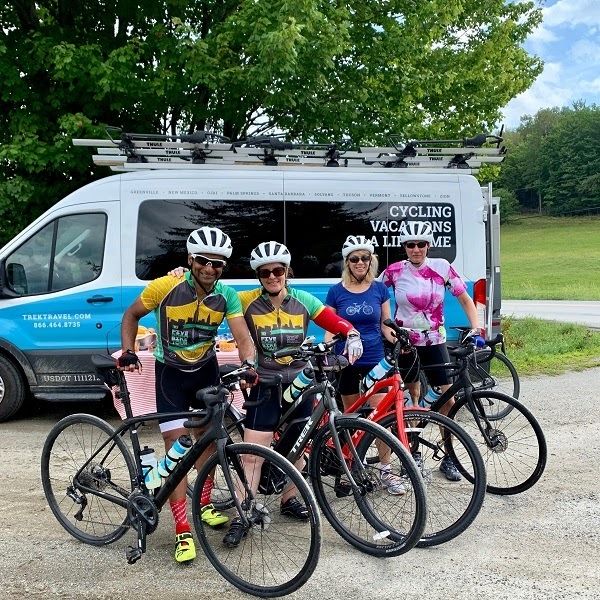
66	253
164	225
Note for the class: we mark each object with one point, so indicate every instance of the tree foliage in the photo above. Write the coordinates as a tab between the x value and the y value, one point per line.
554	158
315	68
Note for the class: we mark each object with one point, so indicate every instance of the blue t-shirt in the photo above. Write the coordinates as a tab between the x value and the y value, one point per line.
363	310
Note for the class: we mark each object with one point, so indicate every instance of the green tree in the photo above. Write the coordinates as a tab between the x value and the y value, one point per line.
314	68
554	157
509	205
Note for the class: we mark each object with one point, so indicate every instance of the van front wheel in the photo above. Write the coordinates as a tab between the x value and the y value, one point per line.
12	389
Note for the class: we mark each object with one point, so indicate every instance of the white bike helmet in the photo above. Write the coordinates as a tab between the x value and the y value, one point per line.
356	242
416	231
269	252
211	240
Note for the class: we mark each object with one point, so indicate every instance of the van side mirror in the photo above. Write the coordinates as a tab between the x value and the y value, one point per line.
15	274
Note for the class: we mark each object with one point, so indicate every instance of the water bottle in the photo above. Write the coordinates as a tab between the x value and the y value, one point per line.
152	478
379	371
176	452
302	381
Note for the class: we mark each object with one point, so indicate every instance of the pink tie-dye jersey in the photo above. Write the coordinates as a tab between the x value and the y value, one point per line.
419	294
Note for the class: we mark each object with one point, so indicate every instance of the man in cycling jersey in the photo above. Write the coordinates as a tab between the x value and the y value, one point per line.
188	313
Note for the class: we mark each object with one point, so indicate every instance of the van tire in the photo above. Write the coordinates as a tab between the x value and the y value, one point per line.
12	389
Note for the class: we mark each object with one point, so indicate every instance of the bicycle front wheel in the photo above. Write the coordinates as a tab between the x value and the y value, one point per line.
385	514
515	453
79	462
451	505
276	554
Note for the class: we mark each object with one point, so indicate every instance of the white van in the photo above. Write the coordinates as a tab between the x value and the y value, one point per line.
66	279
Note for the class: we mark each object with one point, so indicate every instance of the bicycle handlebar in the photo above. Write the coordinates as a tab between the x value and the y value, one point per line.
267	382
307	349
402	334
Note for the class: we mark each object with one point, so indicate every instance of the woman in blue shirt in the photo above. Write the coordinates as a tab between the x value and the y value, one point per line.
365	303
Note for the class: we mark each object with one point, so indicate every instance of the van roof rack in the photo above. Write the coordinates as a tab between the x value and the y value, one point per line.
134	151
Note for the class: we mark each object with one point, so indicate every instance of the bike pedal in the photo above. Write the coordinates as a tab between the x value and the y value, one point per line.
343	489
132	554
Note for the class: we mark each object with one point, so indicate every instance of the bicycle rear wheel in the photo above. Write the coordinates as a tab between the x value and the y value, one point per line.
276	555
495	372
515	458
76	444
386	515
451	505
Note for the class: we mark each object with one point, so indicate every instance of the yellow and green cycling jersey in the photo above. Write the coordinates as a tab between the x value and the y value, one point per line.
276	328
187	325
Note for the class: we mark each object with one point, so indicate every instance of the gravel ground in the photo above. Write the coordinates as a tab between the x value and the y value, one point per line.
542	544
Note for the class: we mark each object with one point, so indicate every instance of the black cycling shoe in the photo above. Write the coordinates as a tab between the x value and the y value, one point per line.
292	507
237	532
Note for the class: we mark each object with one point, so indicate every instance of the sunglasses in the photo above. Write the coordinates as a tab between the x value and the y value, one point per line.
411	245
265	273
204	261
354	259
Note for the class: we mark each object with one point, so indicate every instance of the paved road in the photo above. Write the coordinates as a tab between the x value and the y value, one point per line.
586	313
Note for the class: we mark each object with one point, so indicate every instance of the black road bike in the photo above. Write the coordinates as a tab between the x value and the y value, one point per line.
509	437
94	484
343	453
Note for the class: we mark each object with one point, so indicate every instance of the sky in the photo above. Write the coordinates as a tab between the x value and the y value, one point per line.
568	41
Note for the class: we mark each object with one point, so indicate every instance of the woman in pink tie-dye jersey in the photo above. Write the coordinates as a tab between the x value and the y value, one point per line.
419	285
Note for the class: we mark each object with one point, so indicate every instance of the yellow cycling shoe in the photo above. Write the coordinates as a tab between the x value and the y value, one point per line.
212	517
185	549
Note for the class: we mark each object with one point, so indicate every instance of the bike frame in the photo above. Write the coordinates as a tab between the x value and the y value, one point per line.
216	432
393	399
325	409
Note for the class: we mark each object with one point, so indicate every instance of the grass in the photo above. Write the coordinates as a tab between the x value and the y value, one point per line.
547	347
546	258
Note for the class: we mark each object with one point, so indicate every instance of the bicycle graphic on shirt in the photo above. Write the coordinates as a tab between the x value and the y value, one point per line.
356	309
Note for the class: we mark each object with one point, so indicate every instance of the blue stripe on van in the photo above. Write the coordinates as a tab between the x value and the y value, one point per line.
71	322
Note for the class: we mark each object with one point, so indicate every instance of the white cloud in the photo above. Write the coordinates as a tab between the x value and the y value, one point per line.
548	90
594	85
585	51
572	12
565	12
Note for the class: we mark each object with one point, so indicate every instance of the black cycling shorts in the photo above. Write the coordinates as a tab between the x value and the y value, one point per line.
426	355
350	378
266	416
176	389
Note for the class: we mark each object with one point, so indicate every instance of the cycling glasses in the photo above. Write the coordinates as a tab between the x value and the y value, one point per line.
411	245
354	259
265	273
204	261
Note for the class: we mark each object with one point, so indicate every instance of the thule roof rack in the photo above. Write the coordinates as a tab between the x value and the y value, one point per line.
134	151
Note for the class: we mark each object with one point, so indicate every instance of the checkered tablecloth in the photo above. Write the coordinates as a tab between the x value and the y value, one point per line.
141	385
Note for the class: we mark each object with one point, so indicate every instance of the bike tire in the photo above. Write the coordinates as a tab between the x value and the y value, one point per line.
372	520
451	505
495	371
516	458
276	556
220	497
71	443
